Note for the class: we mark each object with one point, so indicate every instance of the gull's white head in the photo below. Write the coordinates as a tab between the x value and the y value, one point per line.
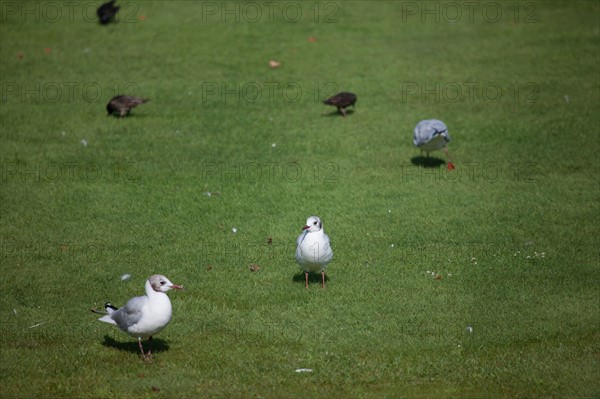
313	224
160	283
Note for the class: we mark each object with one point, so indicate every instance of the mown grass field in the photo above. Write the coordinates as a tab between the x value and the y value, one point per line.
478	282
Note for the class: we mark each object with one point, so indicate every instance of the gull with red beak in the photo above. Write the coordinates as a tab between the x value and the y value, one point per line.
144	316
313	250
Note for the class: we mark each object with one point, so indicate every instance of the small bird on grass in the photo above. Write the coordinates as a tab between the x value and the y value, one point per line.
432	135
144	316
313	249
107	11
341	101
121	105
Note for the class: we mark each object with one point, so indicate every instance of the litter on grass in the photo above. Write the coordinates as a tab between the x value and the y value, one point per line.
254	267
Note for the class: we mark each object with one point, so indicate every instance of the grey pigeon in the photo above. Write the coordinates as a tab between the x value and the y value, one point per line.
121	105
431	135
107	11
341	101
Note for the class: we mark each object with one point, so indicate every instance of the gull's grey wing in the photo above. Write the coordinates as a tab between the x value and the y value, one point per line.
426	129
130	314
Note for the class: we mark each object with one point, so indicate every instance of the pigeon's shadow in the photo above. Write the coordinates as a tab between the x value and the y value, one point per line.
338	113
128	116
158	345
426	162
312	278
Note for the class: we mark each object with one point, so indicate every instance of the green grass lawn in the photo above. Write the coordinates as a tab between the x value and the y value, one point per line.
478	282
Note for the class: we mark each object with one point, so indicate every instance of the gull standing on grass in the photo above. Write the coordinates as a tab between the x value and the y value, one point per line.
431	135
144	316
313	250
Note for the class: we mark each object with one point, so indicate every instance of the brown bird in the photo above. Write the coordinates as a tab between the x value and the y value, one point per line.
342	100
107	11
121	105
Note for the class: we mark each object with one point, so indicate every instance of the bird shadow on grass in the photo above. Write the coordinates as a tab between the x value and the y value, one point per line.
338	113
129	116
158	345
312	278
427	162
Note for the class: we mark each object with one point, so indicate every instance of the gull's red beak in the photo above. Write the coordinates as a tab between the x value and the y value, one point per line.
306	227
177	287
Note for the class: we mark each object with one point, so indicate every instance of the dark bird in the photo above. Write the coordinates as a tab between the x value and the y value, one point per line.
121	105
342	100
107	11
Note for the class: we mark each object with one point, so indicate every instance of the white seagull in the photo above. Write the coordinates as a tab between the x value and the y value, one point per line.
313	250
431	135
144	316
